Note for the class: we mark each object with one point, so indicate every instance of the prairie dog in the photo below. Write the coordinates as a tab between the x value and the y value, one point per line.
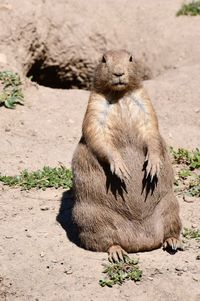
122	175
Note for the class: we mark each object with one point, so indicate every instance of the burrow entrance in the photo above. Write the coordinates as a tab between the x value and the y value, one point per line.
58	77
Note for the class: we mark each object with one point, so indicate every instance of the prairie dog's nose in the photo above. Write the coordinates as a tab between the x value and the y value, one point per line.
119	73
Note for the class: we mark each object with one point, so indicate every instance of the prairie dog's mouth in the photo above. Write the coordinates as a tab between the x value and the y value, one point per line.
119	83
119	86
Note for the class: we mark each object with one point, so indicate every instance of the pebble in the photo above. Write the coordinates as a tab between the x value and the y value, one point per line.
181	269
188	199
195	279
68	272
198	257
44	208
71	121
194	226
42	254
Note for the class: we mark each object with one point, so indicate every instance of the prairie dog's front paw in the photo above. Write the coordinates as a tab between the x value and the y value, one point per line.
119	168
154	165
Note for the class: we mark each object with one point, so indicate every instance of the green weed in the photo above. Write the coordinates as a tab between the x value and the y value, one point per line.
191	233
184	173
11	93
189	158
194	187
118	273
45	178
191	9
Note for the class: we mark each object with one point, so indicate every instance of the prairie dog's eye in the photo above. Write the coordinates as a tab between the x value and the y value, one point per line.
131	59
103	59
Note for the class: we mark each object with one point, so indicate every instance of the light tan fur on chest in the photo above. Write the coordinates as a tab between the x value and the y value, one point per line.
128	113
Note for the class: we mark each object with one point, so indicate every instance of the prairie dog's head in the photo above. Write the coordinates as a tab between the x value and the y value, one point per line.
116	72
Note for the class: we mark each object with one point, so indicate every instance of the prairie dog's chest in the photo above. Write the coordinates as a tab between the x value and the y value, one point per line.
127	109
132	108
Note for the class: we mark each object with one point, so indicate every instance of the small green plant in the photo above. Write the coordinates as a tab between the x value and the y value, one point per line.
191	9
191	233
45	178
184	173
11	93
118	273
194	186
189	158
188	178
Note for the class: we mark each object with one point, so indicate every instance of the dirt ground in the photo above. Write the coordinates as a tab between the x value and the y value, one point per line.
37	260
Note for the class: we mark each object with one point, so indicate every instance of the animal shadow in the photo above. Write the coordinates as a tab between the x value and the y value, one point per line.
148	184
64	217
114	184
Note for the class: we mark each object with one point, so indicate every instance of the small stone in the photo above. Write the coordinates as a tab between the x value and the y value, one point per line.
6	6
181	269
42	254
194	226
9	236
180	273
195	279
71	121
44	208
198	257
188	199
68	272
150	278
28	235
197	110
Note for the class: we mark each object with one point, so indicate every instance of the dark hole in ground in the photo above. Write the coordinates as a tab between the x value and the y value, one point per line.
52	76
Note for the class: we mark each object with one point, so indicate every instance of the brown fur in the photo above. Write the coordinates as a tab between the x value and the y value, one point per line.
123	178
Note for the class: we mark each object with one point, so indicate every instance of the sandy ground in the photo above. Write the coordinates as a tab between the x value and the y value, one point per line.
38	262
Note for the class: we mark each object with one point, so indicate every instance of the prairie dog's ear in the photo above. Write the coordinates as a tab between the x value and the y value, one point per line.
100	54
103	60
130	58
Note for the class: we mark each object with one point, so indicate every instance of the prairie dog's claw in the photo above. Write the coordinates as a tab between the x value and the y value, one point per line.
119	168
117	254
153	167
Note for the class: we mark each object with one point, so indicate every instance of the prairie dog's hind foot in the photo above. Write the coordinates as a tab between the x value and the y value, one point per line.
172	244
117	254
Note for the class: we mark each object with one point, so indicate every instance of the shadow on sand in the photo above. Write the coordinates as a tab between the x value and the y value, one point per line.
64	217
